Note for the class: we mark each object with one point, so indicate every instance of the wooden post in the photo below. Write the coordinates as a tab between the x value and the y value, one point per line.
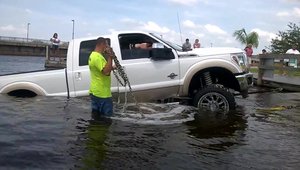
260	72
47	56
47	52
281	66
268	66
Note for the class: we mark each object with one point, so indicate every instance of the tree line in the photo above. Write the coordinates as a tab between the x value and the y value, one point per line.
283	41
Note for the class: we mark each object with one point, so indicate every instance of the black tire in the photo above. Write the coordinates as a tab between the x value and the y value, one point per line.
215	98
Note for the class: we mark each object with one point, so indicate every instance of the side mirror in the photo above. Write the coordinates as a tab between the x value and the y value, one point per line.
161	54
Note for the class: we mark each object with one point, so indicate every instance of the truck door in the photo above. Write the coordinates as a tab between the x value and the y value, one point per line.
150	78
81	72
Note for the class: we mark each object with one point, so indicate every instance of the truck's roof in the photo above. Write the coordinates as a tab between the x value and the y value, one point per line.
109	35
198	51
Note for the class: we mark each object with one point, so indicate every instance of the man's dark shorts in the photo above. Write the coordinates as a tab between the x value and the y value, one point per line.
102	106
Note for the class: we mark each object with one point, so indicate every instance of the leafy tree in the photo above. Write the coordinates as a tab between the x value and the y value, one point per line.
244	38
286	39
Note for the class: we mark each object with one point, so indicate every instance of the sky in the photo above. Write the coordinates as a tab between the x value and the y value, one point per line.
211	21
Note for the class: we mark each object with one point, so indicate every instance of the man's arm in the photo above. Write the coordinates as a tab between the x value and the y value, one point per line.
108	67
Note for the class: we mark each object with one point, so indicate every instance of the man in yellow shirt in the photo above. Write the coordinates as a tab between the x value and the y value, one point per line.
100	69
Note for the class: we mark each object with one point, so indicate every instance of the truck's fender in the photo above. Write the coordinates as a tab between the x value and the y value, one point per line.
205	64
23	86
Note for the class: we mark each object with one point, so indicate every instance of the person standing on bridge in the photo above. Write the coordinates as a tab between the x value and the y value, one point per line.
293	61
293	50
55	42
100	84
249	52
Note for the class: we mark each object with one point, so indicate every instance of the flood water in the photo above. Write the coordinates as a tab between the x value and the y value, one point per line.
56	133
16	64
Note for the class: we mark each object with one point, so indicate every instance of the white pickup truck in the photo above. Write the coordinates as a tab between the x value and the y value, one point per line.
209	77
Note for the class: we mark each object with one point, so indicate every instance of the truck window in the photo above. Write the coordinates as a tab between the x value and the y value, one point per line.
135	46
86	47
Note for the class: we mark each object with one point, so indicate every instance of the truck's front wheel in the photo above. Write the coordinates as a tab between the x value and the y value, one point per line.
215	98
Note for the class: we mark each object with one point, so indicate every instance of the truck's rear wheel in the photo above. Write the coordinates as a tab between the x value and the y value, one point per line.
215	98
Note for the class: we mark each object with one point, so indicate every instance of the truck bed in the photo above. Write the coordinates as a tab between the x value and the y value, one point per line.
7	74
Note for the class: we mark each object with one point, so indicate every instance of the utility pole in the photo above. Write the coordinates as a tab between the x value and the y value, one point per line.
73	28
27	31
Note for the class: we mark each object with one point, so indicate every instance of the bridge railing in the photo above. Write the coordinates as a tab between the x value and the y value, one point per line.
270	64
55	59
31	41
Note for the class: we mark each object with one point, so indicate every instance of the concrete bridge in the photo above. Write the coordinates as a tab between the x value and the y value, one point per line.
27	47
279	70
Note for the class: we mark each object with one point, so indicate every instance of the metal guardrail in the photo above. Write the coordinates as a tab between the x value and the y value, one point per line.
268	63
57	60
32	41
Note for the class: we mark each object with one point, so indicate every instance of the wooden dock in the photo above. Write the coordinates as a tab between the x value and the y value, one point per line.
280	81
55	59
279	70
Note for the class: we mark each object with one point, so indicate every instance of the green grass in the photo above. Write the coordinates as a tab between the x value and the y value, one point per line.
254	70
295	73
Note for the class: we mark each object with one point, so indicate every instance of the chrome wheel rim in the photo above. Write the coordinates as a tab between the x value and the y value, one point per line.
214	102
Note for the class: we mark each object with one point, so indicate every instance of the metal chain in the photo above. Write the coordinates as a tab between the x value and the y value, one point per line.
120	74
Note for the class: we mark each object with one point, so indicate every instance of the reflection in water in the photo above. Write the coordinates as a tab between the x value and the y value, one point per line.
95	146
221	130
281	109
209	125
89	149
